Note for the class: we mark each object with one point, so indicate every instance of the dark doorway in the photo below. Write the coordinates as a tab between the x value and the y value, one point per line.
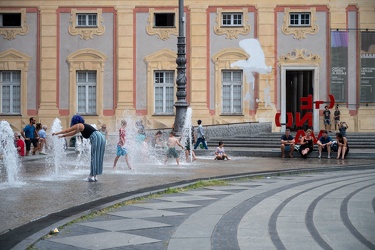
299	83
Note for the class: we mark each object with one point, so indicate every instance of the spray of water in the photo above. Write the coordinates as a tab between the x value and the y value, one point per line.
8	155
58	145
187	131
138	144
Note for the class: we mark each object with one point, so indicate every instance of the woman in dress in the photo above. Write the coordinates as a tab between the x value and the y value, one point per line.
307	144
97	141
343	146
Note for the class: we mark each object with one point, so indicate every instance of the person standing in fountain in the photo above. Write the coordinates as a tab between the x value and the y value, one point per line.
200	135
103	130
121	150
30	136
42	139
190	139
172	152
20	144
97	141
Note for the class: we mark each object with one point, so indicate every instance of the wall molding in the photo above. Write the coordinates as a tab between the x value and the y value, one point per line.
300	32
86	33
86	59
228	31
162	33
10	33
299	56
12	59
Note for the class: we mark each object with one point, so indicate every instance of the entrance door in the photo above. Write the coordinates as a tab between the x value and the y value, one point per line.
299	83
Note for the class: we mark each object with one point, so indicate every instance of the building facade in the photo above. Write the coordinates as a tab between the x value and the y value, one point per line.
246	61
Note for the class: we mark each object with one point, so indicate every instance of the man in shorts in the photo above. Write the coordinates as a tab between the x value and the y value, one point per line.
327	119
30	136
287	144
324	144
172	152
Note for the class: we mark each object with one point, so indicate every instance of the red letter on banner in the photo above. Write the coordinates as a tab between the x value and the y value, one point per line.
306	118
307	99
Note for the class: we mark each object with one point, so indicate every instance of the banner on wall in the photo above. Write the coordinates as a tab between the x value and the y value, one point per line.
339	65
367	67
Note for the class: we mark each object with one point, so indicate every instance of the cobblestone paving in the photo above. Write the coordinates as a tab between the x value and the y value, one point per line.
321	210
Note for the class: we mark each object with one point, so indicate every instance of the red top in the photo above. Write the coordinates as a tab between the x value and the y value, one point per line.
122	134
21	145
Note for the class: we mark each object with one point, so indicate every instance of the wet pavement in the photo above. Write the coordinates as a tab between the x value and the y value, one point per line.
46	190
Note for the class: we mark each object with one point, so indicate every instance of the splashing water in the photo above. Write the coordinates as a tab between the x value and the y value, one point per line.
187	131
58	145
8	155
137	142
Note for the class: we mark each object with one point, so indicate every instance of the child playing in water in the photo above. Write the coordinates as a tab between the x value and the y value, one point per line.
220	152
171	152
121	150
190	140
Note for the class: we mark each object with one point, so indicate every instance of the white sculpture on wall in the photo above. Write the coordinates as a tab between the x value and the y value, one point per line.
256	63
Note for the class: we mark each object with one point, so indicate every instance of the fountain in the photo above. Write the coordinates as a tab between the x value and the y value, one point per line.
58	145
9	159
187	131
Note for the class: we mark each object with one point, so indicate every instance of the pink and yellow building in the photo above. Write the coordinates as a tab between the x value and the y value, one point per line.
246	60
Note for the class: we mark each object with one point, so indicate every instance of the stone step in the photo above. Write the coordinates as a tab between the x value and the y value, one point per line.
277	145
275	152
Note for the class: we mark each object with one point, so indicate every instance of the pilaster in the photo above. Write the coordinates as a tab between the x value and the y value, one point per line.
126	75
266	96
199	82
48	63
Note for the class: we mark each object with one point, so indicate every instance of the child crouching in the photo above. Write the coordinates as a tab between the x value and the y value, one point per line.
220	152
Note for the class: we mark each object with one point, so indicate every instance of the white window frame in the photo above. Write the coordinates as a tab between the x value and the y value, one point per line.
167	106
232	83
87	19
87	83
299	19
12	102
232	19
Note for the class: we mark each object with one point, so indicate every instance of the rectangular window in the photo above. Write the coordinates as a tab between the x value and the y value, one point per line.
86	92
232	19
10	19
232	92
164	92
299	19
164	19
87	20
10	92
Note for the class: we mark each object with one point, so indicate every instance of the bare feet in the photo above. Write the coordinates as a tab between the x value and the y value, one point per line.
283	156
290	156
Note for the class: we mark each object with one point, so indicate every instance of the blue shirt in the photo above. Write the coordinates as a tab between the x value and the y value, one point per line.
42	133
323	140
284	138
29	131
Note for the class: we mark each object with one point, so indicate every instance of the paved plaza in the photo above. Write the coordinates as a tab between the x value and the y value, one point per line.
269	203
